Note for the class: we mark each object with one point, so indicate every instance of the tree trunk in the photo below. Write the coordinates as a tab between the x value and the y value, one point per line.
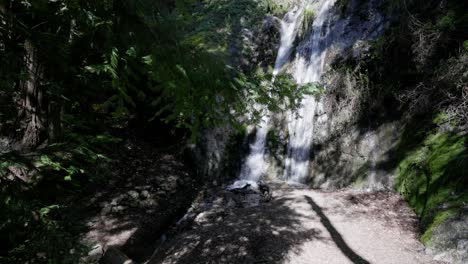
55	121
33	104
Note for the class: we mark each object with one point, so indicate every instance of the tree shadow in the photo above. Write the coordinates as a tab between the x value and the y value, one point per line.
249	235
151	187
386	207
336	236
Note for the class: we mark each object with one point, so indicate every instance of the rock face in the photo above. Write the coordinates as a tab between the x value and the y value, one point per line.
209	156
449	240
344	154
266	42
350	156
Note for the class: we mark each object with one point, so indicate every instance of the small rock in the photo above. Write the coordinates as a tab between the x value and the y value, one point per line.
94	255
462	245
148	203
119	208
201	218
133	194
210	217
145	194
444	256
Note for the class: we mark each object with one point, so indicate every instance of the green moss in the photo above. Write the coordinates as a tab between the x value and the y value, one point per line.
306	21
440	118
431	175
447	22
276	8
217	24
439	218
273	141
275	146
234	151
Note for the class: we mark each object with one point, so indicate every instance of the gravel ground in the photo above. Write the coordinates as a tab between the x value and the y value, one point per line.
302	226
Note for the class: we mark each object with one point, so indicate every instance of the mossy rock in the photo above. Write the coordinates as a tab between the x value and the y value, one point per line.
431	175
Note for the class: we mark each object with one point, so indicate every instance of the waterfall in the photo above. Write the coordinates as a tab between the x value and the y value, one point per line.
309	65
288	33
256	165
328	30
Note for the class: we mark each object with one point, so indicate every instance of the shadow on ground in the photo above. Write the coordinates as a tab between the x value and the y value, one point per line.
335	235
249	235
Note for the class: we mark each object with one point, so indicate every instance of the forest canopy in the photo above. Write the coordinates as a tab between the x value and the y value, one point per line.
112	60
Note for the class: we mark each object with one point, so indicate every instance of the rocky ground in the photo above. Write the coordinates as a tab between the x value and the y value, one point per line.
149	190
298	225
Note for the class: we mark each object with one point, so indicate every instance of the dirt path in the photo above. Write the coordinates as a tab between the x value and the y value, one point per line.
303	226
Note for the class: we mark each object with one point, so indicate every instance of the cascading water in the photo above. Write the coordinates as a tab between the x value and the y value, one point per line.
328	30
288	34
309	66
255	164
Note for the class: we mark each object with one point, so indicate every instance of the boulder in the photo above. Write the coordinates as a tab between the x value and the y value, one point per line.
243	195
